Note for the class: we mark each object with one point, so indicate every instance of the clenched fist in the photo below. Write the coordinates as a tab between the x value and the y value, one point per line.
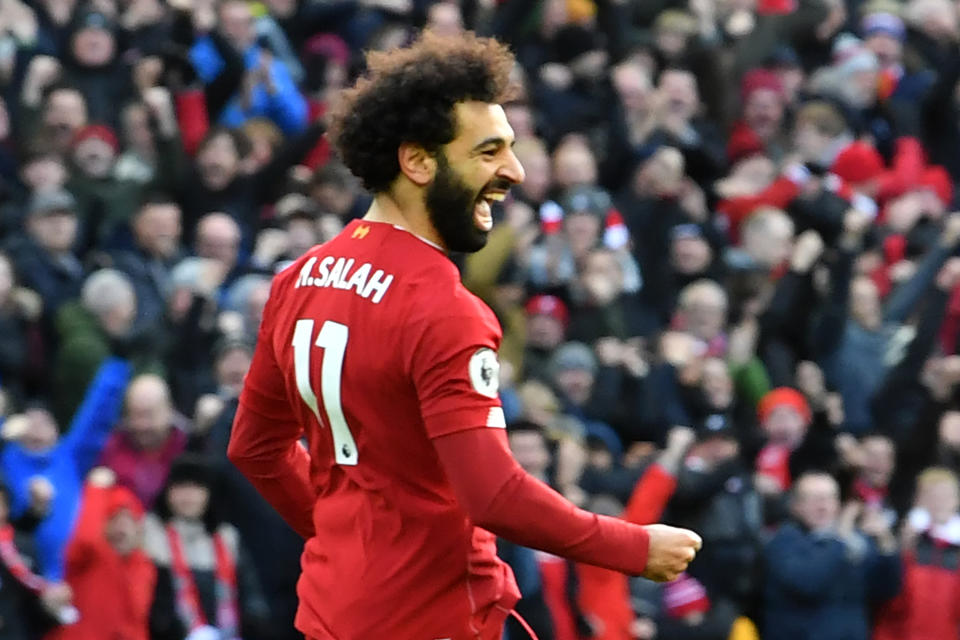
671	550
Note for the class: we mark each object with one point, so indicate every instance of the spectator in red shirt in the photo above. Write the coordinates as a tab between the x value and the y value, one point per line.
111	577
928	607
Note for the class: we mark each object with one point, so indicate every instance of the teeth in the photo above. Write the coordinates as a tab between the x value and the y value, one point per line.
483	217
499	197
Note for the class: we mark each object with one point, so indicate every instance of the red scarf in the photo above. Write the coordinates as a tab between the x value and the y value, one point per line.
774	461
188	596
872	496
14	562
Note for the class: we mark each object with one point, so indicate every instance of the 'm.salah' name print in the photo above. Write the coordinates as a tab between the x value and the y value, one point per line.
338	273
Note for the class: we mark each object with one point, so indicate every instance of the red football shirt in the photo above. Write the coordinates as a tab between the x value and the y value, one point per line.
371	344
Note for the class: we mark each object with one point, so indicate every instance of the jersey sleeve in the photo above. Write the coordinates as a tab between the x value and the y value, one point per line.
264	443
456	371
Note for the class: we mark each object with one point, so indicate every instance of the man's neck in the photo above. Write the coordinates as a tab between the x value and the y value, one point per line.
403	212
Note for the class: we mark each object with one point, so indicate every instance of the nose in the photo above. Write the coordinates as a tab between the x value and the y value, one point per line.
512	170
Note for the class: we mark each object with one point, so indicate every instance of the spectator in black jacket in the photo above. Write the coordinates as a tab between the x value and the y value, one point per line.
19	312
156	234
94	65
43	257
715	494
823	572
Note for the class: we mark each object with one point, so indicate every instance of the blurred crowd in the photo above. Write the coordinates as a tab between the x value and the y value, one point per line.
729	289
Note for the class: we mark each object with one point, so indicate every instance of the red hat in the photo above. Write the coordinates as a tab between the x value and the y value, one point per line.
744	142
684	596
760	79
775	7
858	162
938	180
783	397
548	306
121	498
99	131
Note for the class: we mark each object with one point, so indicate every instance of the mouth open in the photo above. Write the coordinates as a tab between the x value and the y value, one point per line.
483	209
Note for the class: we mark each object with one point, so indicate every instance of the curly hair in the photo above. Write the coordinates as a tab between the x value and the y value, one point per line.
408	94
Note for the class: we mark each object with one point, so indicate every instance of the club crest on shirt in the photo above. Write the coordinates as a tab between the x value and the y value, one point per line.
485	372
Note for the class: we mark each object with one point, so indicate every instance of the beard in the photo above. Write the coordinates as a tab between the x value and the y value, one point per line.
450	203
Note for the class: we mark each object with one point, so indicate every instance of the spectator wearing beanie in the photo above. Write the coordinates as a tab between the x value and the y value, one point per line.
762	104
884	33
43	253
585	392
784	417
547	319
104	202
111	577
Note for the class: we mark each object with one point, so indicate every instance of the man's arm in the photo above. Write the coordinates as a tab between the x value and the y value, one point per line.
265	442
456	377
501	497
97	414
266	449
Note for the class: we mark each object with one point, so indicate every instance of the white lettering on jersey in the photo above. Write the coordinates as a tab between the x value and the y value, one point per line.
324	270
379	284
359	278
335	273
305	279
343	275
485	372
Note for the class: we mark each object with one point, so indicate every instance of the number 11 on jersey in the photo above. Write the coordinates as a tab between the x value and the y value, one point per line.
333	340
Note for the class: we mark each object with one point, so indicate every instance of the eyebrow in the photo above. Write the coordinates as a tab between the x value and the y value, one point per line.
493	140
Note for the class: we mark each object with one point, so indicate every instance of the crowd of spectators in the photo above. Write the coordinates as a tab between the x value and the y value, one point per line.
729	289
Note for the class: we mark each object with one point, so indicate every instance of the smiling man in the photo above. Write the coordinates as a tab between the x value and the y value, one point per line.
372	348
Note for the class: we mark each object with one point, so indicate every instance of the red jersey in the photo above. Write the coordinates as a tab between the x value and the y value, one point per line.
373	346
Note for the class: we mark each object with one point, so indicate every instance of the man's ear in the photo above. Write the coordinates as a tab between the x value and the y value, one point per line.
419	165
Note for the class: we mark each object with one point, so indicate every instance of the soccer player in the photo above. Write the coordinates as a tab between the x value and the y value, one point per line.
371	347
